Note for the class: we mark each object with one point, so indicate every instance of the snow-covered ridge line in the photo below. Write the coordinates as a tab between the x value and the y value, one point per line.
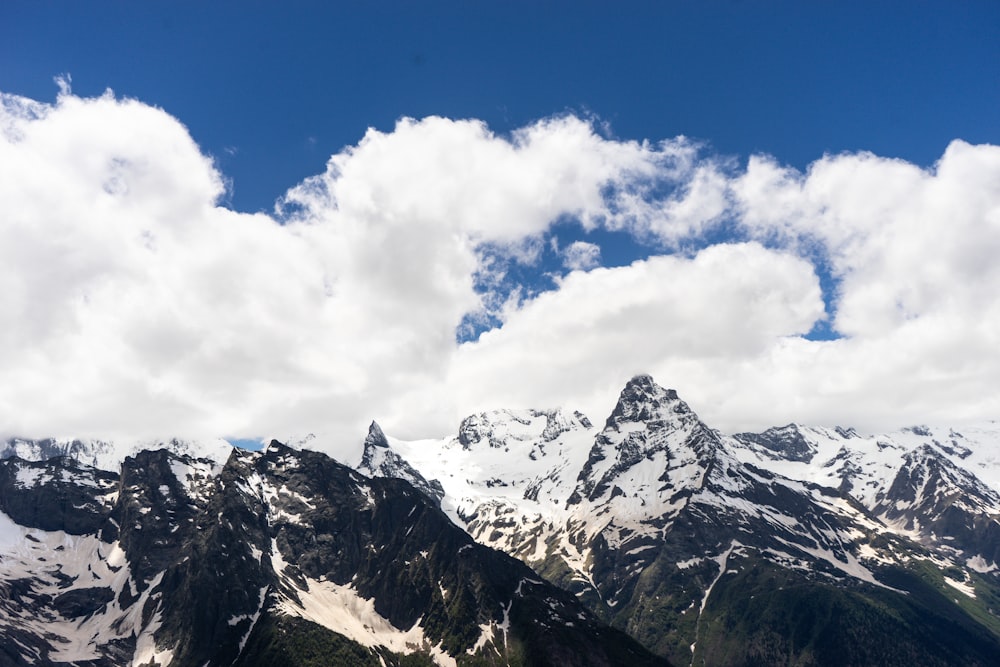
537	494
107	454
623	514
196	559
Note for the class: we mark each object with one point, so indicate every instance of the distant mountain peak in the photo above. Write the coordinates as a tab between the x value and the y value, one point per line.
781	442
108	454
846	433
501	428
650	427
380	460
276	446
643	400
376	437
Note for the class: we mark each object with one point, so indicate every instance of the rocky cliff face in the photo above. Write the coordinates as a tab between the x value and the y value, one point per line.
689	539
943	505
797	545
265	560
379	460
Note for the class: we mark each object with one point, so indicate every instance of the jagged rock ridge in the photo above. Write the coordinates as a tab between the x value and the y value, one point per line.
184	561
799	544
667	528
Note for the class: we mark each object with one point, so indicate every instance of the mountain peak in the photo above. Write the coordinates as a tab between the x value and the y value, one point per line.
781	443
501	428
645	383
276	445
376	437
650	433
643	400
379	459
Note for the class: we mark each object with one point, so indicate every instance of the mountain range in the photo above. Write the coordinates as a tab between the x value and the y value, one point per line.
530	537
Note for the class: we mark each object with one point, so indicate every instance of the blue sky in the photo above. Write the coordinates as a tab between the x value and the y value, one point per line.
762	92
272	89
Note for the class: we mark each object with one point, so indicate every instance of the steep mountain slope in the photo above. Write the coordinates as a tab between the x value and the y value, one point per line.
798	545
277	557
936	486
502	475
678	534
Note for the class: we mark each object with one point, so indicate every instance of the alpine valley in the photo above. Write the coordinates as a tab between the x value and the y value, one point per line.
531	537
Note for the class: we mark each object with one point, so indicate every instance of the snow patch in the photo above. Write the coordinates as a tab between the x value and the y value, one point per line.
253	620
981	565
30	477
722	560
195	475
850	566
343	610
50	559
685	564
11	534
961	586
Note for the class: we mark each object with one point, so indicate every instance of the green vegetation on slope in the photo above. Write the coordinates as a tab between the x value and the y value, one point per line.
764	615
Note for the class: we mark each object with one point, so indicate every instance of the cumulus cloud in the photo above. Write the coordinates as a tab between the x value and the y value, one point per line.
581	255
905	242
914	253
135	304
131	301
584	339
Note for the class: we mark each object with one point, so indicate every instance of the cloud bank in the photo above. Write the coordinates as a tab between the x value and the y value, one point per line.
134	303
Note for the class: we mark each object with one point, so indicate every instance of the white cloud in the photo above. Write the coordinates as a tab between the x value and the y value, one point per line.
904	242
131	302
134	303
915	252
581	255
583	340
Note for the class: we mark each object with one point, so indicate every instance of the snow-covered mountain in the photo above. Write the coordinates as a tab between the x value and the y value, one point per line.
109	454
797	545
655	519
280	557
935	485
